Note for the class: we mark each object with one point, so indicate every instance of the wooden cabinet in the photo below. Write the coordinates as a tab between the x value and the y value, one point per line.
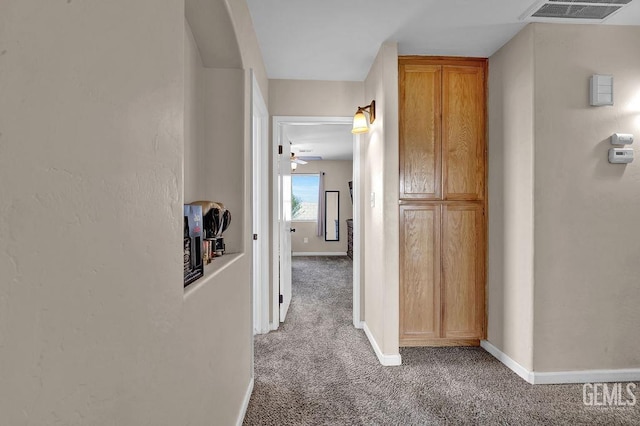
443	201
420	288
420	128
462	269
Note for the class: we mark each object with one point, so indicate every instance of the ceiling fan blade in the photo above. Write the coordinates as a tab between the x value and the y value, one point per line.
299	161
310	157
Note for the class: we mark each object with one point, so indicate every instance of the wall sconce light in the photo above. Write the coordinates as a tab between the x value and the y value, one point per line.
294	166
360	124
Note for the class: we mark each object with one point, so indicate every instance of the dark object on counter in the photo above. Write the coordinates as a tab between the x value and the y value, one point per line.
216	220
193	265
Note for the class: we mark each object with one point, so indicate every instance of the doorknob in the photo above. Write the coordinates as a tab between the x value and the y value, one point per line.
292	229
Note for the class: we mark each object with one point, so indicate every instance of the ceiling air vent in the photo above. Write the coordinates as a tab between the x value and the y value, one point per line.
573	10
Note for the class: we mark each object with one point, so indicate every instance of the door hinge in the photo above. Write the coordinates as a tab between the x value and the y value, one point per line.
279	149
281	299
255	237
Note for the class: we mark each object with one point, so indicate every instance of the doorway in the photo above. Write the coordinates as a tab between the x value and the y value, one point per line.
260	199
282	228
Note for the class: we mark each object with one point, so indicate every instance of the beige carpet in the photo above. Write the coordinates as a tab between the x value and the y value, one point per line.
319	370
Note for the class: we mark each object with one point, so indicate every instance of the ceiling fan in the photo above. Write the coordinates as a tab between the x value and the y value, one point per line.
295	159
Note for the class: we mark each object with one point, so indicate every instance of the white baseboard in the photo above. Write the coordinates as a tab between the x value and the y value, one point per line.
563	377
386	360
245	403
319	253
507	360
587	376
359	325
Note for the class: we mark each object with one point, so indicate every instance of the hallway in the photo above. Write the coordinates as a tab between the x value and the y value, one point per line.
318	369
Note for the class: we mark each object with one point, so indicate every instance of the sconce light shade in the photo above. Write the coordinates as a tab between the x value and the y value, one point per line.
360	124
294	166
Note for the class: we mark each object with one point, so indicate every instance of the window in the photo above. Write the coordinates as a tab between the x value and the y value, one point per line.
304	197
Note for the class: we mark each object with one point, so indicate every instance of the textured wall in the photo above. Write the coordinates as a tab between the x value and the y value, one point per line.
91	151
95	327
510	177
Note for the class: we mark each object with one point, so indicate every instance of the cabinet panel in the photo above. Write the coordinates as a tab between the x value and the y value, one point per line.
442	192
463	132
419	273
420	131
463	255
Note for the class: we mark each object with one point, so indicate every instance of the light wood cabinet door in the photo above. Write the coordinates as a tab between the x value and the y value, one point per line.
463	132
463	254
420	131
419	273
442	193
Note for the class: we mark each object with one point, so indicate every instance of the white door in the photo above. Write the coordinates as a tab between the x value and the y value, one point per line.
260	138
284	175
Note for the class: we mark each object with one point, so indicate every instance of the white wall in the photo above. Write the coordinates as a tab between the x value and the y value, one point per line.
510	176
216	317
337	176
193	120
587	237
585	233
380	237
315	98
310	99
248	43
216	320
222	168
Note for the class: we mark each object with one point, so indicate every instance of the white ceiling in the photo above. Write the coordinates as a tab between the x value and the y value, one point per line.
329	141
338	40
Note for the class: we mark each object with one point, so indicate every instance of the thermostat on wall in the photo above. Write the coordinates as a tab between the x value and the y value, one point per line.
621	139
620	155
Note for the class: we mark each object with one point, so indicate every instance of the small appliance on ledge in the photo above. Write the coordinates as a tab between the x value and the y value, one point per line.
216	220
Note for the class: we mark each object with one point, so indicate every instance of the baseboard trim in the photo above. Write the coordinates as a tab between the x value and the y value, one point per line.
319	253
563	377
359	325
245	403
386	360
586	376
507	361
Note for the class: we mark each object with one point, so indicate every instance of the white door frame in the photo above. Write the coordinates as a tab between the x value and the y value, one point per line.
278	122
357	229
260	198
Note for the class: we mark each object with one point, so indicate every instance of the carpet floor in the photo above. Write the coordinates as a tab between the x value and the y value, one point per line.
317	369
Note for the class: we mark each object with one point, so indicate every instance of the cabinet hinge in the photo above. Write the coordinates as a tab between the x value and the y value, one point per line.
281	299
279	149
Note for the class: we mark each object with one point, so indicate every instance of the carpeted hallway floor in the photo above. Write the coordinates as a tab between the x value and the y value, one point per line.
317	369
